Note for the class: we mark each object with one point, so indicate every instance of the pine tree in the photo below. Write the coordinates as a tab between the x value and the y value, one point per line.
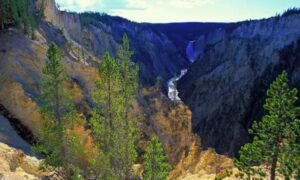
274	143
58	116
129	89
156	165
114	126
18	13
105	119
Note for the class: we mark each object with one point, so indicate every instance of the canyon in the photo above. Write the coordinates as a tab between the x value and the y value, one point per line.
214	80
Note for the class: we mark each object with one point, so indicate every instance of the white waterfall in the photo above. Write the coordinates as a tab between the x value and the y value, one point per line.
172	87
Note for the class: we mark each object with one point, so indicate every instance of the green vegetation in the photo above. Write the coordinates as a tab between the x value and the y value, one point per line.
129	126
291	11
156	165
275	136
94	18
17	13
114	127
56	141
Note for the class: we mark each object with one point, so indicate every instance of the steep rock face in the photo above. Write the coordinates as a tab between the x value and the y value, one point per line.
182	33
226	86
170	121
153	51
20	65
69	23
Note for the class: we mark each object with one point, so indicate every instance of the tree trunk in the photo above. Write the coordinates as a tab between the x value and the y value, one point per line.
274	165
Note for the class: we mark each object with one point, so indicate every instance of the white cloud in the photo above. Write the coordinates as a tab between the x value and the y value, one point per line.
190	3
80	5
161	10
138	4
178	10
141	10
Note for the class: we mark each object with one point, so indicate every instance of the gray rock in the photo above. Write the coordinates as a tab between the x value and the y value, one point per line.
225	88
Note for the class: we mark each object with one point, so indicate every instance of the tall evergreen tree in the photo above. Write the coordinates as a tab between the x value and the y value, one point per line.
114	127
274	143
58	115
106	117
156	165
129	89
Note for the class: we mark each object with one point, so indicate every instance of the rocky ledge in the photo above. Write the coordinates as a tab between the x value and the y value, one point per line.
15	165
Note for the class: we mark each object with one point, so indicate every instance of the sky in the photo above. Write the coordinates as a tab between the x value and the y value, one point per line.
163	11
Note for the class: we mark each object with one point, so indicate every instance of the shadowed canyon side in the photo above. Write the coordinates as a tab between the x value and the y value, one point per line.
226	86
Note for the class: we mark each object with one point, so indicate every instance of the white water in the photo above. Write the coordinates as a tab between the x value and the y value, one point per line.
172	88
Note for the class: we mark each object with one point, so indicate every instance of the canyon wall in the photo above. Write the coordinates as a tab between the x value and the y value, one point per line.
226	86
155	53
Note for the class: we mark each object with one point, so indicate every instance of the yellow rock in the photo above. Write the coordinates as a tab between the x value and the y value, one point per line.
15	165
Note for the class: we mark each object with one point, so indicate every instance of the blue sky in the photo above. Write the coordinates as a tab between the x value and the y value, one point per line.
182	10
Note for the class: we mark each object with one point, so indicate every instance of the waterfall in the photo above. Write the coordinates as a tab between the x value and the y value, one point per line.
190	51
172	87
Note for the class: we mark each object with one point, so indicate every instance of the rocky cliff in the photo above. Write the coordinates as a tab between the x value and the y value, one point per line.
226	86
159	48
100	33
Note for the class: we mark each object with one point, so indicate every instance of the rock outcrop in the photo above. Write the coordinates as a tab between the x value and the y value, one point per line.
67	22
226	86
203	164
170	121
15	165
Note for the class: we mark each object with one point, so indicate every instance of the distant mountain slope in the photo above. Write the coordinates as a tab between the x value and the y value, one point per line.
226	86
181	33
